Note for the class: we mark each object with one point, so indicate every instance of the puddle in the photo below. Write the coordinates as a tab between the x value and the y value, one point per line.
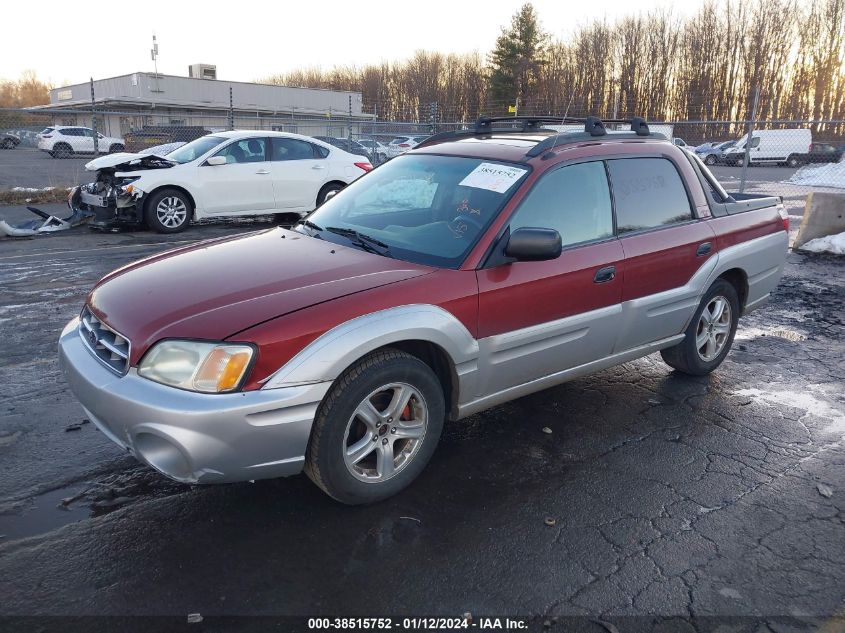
749	333
789	335
42	514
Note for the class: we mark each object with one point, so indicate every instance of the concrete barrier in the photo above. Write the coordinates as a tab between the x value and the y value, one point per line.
823	215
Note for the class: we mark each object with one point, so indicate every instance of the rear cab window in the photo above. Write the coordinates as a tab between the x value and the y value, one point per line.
648	193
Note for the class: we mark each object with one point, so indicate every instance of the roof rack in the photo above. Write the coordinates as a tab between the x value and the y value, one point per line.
593	127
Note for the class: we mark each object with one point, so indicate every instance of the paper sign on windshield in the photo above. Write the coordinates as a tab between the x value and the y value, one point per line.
492	177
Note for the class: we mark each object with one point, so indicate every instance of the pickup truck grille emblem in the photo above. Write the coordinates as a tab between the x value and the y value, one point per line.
107	345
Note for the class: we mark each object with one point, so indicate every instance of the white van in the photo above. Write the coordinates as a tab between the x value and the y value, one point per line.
782	147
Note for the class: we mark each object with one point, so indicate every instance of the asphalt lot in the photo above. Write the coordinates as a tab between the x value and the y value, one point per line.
671	496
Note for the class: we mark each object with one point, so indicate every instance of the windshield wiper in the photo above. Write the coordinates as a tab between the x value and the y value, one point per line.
363	240
310	225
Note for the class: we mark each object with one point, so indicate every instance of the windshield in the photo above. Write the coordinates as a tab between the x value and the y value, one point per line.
195	149
421	208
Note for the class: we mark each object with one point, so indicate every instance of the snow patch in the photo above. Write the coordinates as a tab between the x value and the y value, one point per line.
825	175
31	189
829	244
801	400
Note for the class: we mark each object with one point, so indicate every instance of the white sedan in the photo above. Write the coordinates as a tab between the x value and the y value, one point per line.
224	174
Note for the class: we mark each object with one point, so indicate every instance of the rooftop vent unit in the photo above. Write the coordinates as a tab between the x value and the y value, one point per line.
202	71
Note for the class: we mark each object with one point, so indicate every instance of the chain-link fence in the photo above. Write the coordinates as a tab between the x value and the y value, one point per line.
48	148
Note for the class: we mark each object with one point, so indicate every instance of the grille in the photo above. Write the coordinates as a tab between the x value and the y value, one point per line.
108	346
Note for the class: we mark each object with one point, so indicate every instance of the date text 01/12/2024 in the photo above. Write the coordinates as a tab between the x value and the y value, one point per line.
420	623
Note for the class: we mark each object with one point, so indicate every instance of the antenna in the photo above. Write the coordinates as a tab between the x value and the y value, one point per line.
154	55
563	120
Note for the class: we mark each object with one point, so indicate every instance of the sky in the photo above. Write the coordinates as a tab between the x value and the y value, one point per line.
250	41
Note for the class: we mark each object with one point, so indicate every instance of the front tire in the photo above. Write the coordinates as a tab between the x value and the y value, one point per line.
710	160
169	211
377	428
710	333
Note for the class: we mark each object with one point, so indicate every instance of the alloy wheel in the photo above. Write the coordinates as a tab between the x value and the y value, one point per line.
385	432
714	328
171	212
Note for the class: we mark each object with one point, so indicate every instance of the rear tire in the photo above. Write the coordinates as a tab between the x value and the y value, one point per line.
169	211
376	429
8	144
328	191
710	160
116	147
710	334
62	150
793	161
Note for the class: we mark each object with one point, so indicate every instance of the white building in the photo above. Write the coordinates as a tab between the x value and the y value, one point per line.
131	102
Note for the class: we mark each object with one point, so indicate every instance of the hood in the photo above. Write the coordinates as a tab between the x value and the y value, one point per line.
212	290
127	161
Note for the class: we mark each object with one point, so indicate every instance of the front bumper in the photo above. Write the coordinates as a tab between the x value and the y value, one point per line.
193	437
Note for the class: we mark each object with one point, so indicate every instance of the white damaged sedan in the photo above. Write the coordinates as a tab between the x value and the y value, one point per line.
221	174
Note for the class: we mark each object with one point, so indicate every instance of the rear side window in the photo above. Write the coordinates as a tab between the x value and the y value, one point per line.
320	151
648	193
71	131
292	149
573	200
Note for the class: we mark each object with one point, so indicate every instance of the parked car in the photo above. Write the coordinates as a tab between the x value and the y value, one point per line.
466	273
715	154
152	135
679	141
822	153
347	145
63	141
377	149
779	147
402	144
227	173
8	140
162	150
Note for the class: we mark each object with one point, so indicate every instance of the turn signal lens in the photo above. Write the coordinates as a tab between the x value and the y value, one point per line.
222	369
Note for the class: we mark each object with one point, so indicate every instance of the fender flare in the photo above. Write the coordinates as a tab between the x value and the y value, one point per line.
325	358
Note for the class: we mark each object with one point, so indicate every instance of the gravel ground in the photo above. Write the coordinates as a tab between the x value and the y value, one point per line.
675	503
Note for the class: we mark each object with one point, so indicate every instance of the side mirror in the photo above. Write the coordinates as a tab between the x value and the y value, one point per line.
216	160
533	245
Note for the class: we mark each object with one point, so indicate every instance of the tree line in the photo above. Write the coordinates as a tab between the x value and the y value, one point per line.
703	67
24	92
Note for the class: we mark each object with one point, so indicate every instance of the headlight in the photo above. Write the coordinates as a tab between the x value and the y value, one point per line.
197	366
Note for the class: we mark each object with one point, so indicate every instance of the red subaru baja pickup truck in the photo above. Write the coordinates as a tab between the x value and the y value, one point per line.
482	266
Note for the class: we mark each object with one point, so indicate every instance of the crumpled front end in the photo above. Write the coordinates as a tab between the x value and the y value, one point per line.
113	193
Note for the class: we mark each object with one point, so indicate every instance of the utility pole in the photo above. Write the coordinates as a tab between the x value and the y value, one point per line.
231	110
94	120
748	138
516	108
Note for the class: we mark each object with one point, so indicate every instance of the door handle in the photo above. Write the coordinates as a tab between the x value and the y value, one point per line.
318	167
262	171
703	249
608	273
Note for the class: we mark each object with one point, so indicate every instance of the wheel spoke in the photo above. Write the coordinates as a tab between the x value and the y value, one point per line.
722	328
367	413
414	432
701	339
401	395
710	347
360	449
718	309
384	460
